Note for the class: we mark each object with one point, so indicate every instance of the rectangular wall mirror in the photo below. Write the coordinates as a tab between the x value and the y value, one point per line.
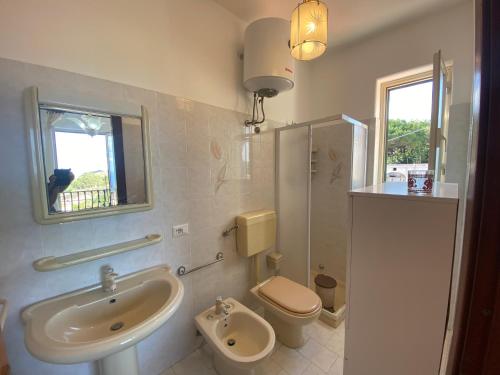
87	162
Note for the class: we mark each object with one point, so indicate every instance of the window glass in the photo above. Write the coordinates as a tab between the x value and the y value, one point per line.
407	129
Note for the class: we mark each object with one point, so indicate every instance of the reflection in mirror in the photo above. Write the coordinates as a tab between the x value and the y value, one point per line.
91	160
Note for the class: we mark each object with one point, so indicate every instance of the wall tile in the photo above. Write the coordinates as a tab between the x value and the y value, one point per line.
184	182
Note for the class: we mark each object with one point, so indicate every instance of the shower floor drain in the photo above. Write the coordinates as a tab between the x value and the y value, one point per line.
231	342
116	326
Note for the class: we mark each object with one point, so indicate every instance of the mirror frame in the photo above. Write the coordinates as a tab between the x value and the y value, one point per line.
38	178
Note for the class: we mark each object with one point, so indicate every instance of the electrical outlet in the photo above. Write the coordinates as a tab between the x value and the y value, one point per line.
180	230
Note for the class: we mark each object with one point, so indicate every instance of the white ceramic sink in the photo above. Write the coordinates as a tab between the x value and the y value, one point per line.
90	324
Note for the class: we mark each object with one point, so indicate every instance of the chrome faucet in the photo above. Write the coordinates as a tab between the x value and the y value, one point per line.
221	307
108	279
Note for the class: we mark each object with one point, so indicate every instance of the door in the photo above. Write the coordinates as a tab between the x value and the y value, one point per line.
293	166
441	90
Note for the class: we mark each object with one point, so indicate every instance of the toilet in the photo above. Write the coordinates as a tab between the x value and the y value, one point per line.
240	340
288	306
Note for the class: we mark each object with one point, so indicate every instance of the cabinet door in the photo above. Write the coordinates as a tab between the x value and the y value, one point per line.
399	281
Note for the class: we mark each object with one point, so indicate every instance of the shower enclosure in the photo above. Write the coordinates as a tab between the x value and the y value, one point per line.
317	163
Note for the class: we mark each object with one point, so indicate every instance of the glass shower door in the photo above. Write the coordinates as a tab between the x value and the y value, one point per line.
293	200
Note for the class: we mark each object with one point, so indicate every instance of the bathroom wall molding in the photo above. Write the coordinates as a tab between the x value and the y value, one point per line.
54	263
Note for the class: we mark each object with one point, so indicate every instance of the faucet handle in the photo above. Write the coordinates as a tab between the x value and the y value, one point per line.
107	270
108	273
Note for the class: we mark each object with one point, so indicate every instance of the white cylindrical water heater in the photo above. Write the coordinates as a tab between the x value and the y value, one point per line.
268	66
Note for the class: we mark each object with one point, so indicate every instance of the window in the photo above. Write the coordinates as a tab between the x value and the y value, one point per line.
79	161
406	109
94	175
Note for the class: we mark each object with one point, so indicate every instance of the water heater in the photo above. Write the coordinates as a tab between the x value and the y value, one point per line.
268	67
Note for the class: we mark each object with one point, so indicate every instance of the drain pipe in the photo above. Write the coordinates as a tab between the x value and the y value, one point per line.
256	268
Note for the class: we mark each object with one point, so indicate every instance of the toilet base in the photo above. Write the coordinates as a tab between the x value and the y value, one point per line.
291	335
223	367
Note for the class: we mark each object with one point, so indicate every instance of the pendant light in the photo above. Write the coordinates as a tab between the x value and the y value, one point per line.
309	30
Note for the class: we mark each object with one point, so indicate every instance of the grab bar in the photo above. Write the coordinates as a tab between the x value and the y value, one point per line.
3	315
181	271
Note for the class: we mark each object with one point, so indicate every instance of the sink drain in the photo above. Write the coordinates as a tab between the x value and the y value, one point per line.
231	342
116	326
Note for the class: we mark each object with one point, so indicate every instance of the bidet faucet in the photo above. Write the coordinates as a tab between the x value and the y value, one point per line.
221	307
108	279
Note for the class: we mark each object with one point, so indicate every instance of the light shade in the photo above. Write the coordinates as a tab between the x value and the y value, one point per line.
309	30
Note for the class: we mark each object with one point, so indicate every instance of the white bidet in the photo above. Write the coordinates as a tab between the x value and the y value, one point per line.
239	338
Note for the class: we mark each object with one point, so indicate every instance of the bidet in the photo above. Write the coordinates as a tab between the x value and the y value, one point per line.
240	339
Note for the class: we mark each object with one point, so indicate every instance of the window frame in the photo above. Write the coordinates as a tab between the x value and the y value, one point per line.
385	87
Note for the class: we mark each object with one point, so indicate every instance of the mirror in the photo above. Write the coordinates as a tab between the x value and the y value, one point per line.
88	162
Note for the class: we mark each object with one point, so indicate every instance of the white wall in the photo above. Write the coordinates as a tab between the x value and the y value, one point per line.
345	79
187	48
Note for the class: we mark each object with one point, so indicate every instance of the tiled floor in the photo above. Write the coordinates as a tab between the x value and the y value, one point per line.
321	355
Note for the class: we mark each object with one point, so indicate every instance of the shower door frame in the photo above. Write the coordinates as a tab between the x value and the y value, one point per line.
327	121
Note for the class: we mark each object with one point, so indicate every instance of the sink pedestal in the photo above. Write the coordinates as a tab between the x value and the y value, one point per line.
123	363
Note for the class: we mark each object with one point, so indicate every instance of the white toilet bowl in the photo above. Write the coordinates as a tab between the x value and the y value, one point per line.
240	341
289	307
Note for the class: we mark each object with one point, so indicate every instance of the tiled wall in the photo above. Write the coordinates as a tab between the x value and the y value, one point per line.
192	144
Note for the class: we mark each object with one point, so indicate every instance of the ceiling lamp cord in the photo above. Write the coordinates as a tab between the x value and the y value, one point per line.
257	99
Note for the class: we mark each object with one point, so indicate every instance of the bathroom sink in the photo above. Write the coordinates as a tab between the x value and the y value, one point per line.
90	324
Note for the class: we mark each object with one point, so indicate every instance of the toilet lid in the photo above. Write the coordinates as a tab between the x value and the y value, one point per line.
290	295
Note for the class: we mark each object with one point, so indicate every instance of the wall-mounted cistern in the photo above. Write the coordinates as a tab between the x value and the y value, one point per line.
108	279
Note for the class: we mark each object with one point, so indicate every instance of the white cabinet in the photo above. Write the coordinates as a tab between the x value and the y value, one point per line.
399	273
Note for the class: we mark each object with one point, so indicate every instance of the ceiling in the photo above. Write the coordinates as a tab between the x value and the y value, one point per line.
349	20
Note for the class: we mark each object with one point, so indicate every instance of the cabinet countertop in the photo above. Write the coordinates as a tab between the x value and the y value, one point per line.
443	192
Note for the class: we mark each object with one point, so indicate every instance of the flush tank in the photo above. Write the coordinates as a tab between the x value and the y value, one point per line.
256	232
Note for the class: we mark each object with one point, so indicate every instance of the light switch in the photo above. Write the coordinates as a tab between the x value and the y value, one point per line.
180	230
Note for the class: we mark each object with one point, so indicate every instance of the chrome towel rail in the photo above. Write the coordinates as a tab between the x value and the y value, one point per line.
181	271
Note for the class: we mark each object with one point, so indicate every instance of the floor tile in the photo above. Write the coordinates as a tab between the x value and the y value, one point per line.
290	360
269	367
337	368
197	363
336	342
318	354
169	371
320	331
312	369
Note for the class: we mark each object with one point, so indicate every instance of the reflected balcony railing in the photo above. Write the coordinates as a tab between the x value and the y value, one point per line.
71	201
